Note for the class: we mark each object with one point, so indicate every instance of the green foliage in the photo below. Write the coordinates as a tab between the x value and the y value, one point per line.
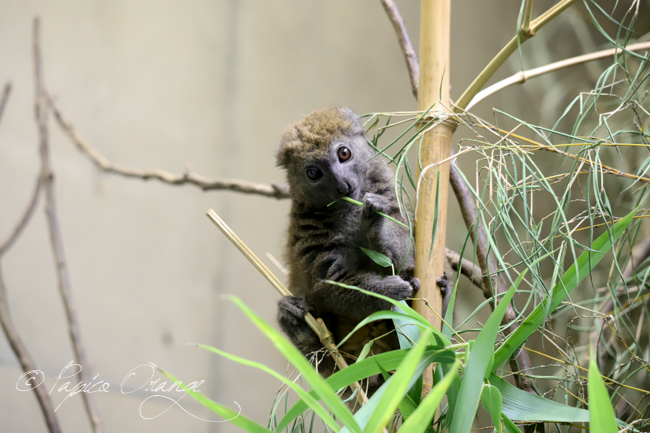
562	207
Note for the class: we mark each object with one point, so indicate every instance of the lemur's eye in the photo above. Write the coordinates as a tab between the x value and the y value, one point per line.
313	173
344	153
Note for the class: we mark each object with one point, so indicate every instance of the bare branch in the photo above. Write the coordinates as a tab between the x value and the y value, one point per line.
275	190
26	362
4	98
15	341
467	268
404	42
55	234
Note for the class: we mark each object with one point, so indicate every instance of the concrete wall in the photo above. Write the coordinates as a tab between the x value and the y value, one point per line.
162	84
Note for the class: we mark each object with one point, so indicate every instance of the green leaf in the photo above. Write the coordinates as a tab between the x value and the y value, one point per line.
408	311
421	418
520	405
369	367
601	413
491	401
580	269
396	388
480	356
310	399
319	385
226	413
379	258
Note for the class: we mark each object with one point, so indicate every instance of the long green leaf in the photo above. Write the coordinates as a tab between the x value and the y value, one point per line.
491	400
421	418
570	280
396	388
477	366
226	413
520	405
410	312
601	414
366	368
309	399
322	388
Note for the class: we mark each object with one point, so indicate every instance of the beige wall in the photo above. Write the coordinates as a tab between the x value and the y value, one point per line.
162	84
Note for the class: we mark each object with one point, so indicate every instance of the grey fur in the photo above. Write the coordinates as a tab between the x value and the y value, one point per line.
323	242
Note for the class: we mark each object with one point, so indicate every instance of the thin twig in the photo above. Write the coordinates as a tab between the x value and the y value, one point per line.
523	76
4	98
506	51
15	341
189	177
410	56
55	233
31	373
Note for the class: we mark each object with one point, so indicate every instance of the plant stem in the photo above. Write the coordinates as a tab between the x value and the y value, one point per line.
506	51
433	91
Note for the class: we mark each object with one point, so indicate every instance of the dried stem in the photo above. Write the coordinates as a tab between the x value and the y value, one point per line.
189	177
4	98
410	56
26	362
55	234
506	51
15	341
523	76
317	325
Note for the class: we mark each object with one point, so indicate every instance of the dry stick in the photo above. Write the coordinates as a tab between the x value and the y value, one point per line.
4	98
15	341
523	76
405	44
26	362
433	89
317	325
189	177
506	51
55	234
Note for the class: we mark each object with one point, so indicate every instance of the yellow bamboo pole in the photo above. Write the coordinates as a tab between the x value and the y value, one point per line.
433	89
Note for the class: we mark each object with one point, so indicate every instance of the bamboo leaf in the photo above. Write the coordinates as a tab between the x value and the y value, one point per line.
477	364
601	414
369	367
377	257
320	386
421	418
580	269
491	400
226	413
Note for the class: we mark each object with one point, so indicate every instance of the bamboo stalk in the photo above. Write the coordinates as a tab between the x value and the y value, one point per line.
317	325
523	76
506	51
433	89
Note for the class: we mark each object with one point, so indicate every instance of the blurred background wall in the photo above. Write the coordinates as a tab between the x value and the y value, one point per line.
162	84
